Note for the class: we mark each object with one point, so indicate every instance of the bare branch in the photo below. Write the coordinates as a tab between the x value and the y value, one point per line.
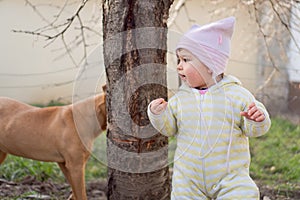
83	37
177	8
92	30
36	74
36	11
68	51
43	86
67	24
266	82
264	36
32	33
54	29
285	24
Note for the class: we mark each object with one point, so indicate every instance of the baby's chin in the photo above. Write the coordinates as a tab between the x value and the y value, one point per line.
196	86
191	85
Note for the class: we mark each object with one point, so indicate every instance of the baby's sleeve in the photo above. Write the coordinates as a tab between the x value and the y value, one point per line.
256	129
165	123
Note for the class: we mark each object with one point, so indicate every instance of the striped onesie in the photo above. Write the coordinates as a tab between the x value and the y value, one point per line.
212	157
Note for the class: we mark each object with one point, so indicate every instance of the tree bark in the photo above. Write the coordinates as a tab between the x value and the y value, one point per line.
134	34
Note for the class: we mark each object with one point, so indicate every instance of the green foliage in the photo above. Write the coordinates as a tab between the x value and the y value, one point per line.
97	164
276	155
49	104
95	169
17	168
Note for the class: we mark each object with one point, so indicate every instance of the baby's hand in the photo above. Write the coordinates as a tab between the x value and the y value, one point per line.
157	106
253	113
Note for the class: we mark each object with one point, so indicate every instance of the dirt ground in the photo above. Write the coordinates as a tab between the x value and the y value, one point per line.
30	188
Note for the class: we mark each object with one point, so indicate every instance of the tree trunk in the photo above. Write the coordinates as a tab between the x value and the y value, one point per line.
134	34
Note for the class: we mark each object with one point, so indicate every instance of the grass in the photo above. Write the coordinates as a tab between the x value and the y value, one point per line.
276	156
51	103
275	160
17	168
97	165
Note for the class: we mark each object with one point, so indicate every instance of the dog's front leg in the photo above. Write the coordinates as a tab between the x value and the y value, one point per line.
2	156
75	176
68	177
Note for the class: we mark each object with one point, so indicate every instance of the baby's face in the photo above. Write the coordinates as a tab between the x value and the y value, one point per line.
192	71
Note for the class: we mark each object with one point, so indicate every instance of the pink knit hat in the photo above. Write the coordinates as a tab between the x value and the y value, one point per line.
210	43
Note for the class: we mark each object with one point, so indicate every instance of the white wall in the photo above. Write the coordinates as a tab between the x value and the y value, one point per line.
29	71
294	58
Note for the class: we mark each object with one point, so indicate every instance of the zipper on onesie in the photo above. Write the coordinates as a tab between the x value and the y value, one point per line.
200	98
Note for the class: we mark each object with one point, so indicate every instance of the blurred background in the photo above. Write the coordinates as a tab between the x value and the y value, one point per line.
51	53
36	68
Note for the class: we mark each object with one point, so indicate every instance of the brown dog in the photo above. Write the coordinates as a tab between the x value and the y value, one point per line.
62	134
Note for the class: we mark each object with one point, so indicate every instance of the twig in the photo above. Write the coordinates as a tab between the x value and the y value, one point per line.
60	29
83	38
266	82
7	182
68	51
264	37
177	8
285	25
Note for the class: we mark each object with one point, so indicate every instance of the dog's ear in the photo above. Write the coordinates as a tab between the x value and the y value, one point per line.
104	88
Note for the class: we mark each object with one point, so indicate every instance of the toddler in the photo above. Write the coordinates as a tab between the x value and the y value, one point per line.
212	116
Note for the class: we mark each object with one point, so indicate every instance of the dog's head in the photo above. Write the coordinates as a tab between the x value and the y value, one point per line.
100	103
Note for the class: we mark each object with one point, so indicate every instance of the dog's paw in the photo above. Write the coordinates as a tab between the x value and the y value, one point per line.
71	197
